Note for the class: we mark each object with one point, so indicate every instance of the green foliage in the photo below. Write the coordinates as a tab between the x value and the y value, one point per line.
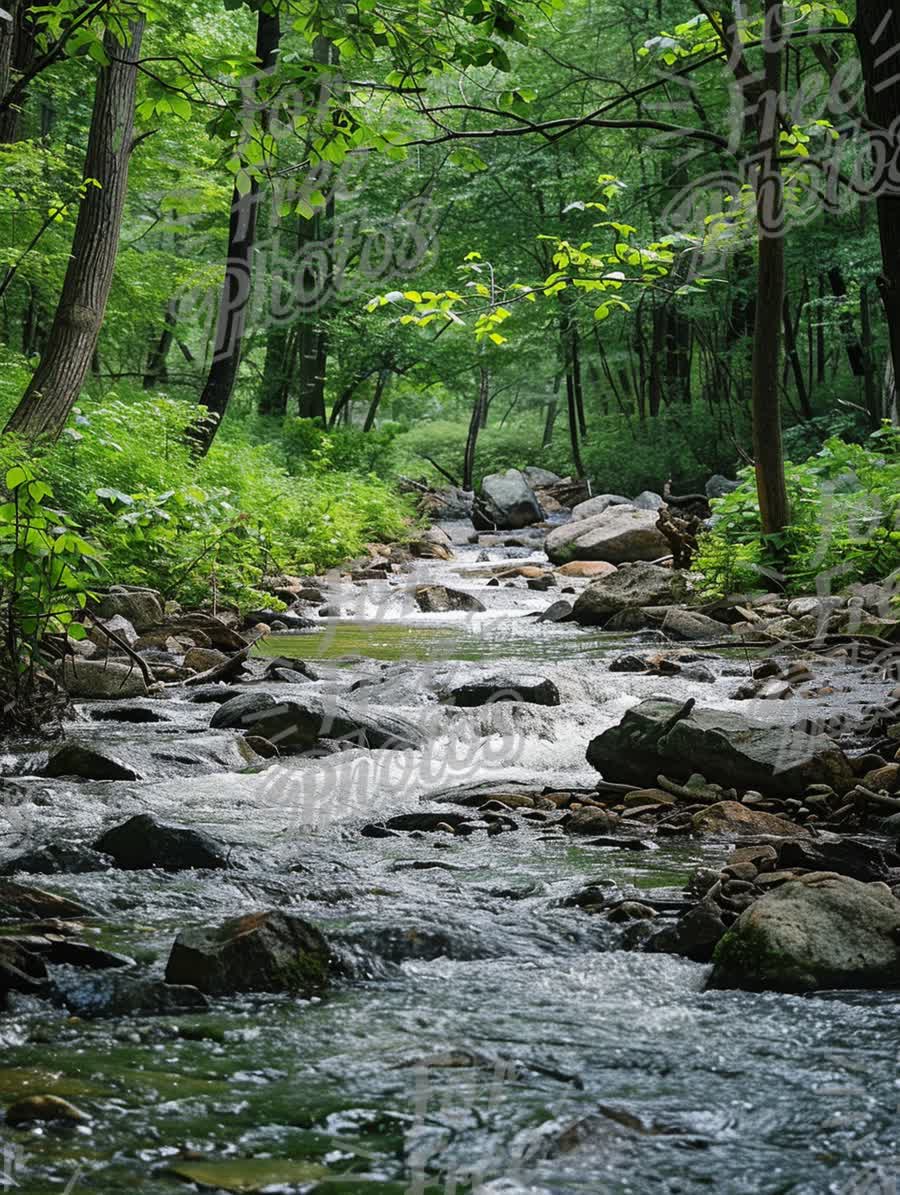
46	569
124	474
845	502
309	448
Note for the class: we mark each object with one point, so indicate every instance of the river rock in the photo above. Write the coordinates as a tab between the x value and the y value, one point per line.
694	935
144	842
440	599
556	612
688	624
102	678
57	859
119	626
21	969
619	535
142	607
648	500
727	818
634	586
821	930
19	902
43	1107
120	994
201	659
259	952
598	504
88	763
718	486
299	724
490	687
591	820
727	748
507	502
151	759
540	478
586	568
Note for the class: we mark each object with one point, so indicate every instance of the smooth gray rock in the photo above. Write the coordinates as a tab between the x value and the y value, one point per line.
540	478
648	500
619	535
506	502
493	686
822	930
718	486
598	504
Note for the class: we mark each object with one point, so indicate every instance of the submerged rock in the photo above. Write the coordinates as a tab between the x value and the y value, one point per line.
727	748
120	994
300	723
619	535
821	930
144	842
495	686
57	859
507	502
151	759
43	1107
260	952
631	587
89	763
440	599
18	901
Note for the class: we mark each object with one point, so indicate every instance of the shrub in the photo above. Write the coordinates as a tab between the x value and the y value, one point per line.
844	501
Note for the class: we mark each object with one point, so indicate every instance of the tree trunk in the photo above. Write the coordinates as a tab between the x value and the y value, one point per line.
58	378
372	412
481	399
235	294
281	352
156	372
878	36
767	447
16	56
790	343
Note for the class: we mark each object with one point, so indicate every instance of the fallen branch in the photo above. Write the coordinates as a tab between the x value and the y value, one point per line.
148	676
220	671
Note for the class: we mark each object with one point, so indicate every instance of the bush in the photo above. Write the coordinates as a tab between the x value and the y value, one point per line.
123	473
844	502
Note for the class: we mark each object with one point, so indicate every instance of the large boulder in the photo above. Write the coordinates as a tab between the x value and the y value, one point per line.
821	930
507	502
725	747
598	504
102	678
144	841
142	607
299	724
259	952
631	587
440	599
618	535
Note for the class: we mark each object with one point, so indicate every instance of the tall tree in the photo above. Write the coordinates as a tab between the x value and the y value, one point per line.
57	381
878	36
235	294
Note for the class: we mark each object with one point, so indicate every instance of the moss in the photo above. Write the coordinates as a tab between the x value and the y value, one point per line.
745	958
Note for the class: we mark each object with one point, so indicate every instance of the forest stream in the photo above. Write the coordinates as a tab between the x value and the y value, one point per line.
484	1035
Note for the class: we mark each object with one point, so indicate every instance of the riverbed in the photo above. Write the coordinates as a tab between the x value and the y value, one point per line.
485	1035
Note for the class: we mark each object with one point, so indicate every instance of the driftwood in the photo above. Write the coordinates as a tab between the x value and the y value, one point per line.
681	533
220	671
128	651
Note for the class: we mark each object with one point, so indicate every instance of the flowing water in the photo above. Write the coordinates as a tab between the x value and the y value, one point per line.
487	1037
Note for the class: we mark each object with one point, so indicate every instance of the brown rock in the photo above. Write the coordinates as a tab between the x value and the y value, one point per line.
729	817
586	568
